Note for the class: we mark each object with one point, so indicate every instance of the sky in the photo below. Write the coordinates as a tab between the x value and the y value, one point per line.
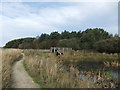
29	19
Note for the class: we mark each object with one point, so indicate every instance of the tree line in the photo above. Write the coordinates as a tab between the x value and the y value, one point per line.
90	39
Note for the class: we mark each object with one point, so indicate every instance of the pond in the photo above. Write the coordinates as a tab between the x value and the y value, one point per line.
115	75
111	79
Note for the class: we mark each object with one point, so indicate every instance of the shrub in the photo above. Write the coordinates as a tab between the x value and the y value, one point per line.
109	45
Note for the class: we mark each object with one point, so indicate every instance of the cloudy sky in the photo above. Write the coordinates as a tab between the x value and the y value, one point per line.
30	19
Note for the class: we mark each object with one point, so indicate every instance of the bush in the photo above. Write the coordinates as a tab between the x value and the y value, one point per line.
109	45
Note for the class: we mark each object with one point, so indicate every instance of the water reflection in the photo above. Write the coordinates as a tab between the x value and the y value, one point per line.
115	74
106	81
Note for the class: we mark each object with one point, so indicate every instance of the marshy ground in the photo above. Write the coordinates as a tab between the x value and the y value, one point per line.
75	69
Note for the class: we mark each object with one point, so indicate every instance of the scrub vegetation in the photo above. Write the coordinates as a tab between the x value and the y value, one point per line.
91	39
9	57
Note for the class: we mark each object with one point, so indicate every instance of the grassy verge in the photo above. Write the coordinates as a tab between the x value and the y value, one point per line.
30	73
9	57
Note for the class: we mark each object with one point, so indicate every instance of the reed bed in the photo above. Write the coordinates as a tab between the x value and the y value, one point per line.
76	56
49	72
91	58
9	56
93	64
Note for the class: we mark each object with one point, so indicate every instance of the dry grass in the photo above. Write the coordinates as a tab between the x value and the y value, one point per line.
92	63
75	56
0	69
49	72
91	59
9	56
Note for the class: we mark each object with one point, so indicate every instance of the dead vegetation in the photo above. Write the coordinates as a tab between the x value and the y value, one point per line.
9	56
49	72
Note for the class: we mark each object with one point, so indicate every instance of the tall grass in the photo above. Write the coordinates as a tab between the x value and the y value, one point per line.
9	56
91	59
49	72
0	69
93	64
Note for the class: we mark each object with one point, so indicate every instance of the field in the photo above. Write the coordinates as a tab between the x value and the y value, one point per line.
74	69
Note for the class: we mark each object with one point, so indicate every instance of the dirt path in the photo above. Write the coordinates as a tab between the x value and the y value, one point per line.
20	78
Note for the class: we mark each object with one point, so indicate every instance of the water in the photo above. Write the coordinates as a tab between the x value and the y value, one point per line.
90	80
115	74
82	76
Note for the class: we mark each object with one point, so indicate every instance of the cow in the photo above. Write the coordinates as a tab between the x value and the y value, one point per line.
59	53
